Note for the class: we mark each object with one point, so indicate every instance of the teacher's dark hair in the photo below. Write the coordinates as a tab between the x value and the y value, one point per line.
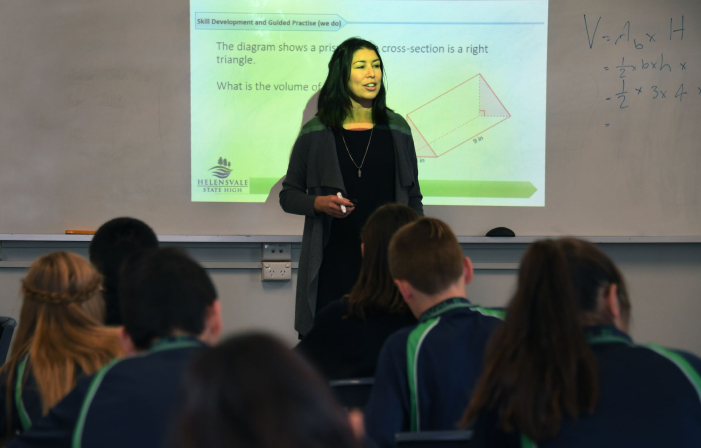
539	367
334	97
375	293
252	391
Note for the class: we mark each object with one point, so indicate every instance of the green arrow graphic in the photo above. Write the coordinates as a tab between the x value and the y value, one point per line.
262	185
477	188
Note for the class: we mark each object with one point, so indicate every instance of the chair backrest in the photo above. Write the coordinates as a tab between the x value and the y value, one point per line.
353	392
433	439
7	328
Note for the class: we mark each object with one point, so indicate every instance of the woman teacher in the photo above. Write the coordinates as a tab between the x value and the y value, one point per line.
354	146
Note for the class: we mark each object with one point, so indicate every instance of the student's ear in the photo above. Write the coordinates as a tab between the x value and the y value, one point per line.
613	306
405	289
127	344
362	249
213	325
468	272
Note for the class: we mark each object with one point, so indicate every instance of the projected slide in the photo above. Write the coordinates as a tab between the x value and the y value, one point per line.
468	76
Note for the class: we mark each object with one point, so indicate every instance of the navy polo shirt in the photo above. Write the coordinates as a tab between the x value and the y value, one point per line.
649	396
25	401
426	373
128	403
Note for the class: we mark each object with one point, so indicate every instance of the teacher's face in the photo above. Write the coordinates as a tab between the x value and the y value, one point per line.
365	77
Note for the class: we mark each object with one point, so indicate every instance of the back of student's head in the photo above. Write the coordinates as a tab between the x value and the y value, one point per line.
426	254
163	292
375	293
60	325
561	288
114	242
251	391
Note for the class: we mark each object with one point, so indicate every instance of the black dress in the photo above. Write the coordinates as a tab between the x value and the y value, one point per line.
375	187
344	347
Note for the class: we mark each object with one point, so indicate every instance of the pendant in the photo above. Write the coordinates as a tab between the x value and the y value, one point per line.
358	172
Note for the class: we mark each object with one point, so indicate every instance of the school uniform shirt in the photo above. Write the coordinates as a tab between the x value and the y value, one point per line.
25	400
25	403
128	403
426	373
649	396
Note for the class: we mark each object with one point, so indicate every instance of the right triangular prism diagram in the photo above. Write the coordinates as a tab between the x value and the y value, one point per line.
455	117
421	145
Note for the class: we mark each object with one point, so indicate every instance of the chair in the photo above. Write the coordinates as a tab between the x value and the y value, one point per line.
433	439
353	392
7	328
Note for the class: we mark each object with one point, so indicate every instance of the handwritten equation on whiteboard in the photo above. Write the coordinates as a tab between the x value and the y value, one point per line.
628	71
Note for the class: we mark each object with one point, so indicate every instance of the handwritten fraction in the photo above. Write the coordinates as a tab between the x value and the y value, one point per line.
629	69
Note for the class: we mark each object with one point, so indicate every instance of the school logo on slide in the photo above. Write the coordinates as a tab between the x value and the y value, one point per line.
222	170
222	182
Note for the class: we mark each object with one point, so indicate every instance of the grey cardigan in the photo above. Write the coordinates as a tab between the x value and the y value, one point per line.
314	171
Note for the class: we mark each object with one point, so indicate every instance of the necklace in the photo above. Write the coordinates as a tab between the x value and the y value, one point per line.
366	150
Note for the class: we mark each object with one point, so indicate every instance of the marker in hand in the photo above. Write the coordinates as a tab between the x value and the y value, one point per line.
343	207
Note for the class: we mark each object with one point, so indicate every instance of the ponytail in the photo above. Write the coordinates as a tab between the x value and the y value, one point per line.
538	366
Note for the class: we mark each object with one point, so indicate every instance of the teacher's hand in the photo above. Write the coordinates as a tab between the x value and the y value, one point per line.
331	205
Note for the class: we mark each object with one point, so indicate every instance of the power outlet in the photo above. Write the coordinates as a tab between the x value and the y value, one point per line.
276	272
276	252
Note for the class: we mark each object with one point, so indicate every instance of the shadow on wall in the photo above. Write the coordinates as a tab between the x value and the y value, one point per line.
271	208
308	113
310	109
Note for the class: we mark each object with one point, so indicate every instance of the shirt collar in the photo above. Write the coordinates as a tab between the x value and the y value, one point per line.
173	342
444	306
602	334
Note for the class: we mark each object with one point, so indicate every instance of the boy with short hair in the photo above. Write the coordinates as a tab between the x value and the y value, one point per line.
170	313
426	373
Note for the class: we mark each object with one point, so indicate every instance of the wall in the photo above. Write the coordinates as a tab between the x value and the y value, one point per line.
95	123
664	282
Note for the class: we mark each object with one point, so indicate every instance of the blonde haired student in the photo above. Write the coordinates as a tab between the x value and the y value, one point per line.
60	337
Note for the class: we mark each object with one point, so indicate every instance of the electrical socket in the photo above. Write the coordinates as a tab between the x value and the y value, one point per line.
276	272
276	252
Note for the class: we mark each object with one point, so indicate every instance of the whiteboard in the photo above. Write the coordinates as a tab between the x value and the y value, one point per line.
94	123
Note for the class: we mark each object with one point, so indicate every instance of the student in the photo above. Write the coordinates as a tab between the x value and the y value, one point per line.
563	372
60	338
426	373
348	334
113	243
252	391
170	313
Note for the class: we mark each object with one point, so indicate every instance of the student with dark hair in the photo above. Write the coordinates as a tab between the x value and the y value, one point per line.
426	372
357	147
251	391
112	244
170	313
563	372
348	334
